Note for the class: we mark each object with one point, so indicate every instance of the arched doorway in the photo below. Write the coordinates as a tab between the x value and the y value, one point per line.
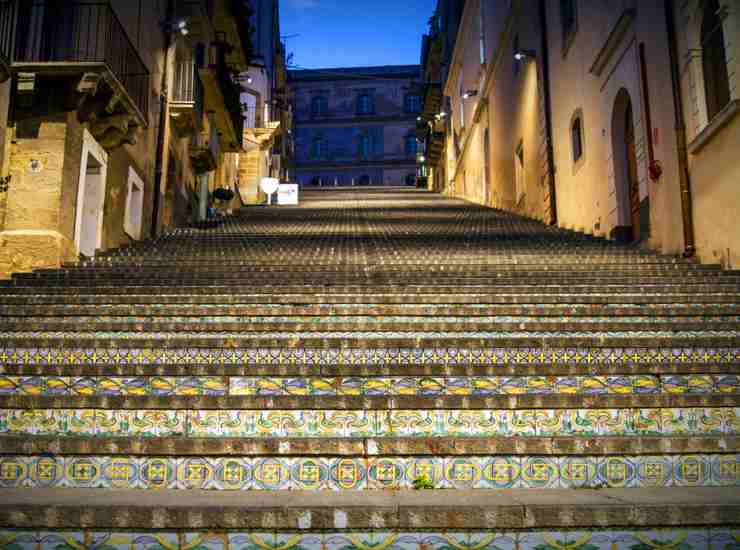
632	216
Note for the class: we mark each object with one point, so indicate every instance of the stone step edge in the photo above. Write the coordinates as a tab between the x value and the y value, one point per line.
396	402
368	447
517	327
440	509
339	343
518	369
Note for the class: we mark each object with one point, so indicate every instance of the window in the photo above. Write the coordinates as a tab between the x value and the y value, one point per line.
364	104
410	145
319	148
365	180
412	104
576	138
134	205
714	60
568	21
519	172
319	106
365	146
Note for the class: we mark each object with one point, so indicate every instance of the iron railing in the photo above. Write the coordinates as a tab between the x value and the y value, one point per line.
188	89
33	31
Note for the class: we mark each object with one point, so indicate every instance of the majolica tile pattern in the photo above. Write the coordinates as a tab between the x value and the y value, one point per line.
371	423
337	474
375	386
625	539
376	356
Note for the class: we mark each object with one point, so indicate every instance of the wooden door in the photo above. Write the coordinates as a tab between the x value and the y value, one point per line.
632	181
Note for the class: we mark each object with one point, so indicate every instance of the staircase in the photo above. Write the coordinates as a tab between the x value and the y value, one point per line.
378	368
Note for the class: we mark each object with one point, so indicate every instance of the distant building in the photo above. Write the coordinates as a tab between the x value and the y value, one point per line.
356	126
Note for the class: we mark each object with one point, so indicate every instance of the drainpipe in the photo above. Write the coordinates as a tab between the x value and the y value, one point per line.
159	163
548	113
684	177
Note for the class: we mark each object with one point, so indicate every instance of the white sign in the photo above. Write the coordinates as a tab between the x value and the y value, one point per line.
269	186
288	194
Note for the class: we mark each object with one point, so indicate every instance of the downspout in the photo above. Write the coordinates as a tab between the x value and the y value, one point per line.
684	177
553	219
159	162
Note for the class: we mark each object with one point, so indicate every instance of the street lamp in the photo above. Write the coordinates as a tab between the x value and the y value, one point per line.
470	93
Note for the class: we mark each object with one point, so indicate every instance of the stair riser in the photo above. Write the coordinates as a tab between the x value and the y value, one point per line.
632	422
521	387
368	474
687	539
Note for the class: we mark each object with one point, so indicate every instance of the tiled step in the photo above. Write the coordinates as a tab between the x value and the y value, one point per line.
369	423
693	539
318	473
472	312
407	353
428	324
327	298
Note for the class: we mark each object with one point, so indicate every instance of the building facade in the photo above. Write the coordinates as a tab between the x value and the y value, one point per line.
355	126
614	120
120	119
267	141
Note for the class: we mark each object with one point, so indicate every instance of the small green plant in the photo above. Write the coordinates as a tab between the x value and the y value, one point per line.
423	482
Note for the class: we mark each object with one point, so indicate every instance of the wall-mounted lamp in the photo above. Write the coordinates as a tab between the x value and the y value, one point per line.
470	93
418	119
422	158
180	26
522	55
441	115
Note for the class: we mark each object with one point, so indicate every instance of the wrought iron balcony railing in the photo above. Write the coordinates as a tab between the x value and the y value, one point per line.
33	32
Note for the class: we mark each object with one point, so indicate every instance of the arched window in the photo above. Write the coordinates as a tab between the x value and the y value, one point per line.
364	146
576	138
319	106
364	104
319	148
714	60
410	145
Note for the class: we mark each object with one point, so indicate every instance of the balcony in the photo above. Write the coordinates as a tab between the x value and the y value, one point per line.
85	41
231	22
263	123
223	98
187	104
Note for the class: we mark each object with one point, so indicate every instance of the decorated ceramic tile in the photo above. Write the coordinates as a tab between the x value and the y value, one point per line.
322	473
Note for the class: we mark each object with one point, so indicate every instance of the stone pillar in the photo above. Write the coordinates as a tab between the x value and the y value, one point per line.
203	197
43	165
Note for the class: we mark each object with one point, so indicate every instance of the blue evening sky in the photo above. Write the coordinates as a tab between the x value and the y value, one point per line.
353	33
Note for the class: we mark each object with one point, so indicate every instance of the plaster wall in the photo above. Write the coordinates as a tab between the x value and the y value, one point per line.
591	193
509	107
714	168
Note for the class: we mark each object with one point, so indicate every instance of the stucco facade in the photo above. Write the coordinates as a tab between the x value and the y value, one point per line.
581	128
93	159
355	126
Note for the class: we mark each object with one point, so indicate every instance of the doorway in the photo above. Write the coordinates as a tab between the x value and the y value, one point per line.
90	197
631	220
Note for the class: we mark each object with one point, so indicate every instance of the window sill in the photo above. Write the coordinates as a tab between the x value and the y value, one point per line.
714	126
